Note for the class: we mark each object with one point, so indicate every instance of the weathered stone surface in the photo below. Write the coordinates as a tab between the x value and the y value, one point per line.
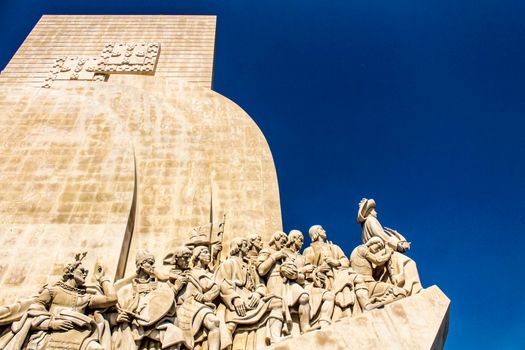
416	322
76	153
187	44
125	160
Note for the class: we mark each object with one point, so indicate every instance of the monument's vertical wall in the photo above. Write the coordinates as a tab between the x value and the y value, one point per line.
66	179
187	44
70	153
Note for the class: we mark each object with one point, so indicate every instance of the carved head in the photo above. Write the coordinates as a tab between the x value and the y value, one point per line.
239	245
295	240
256	241
145	261
317	232
278	240
182	257
375	244
76	271
200	254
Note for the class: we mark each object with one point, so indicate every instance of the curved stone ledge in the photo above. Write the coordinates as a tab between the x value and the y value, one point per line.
416	322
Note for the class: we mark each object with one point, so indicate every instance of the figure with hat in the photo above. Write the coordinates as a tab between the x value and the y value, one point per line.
146	311
66	313
332	266
366	259
402	270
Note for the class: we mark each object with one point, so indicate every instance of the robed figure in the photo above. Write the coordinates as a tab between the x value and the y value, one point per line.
247	303
64	315
402	270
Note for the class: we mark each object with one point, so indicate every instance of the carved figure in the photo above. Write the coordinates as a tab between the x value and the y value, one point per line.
247	303
192	307
60	317
210	236
146	311
282	275
256	245
403	270
333	267
322	301
195	290
368	257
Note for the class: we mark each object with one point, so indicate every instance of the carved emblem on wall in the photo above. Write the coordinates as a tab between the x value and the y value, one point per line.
123	58
128	58
74	68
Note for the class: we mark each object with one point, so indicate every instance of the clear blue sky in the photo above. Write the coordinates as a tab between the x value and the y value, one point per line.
418	104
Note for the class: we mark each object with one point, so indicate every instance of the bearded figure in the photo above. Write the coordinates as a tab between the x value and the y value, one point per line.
66	314
146	311
247	303
322	301
332	269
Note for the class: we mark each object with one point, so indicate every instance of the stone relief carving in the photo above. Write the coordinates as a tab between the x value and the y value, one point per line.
402	270
196	300
116	58
74	68
129	58
65	315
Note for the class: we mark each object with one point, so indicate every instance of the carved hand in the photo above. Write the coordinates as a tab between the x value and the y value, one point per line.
180	282
216	248
198	296
279	255
324	268
240	308
254	300
123	317
99	272
403	246
332	262
61	325
309	268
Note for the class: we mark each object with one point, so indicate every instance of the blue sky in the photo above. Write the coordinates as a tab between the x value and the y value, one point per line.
418	104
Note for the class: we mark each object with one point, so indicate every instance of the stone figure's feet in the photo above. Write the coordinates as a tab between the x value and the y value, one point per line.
311	328
324	324
372	306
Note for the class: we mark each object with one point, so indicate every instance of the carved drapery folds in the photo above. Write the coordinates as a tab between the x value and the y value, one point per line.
199	300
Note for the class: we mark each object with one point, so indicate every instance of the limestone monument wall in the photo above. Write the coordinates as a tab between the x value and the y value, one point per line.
118	159
114	143
187	44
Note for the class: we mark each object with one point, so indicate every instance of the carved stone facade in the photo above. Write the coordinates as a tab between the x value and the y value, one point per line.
130	155
129	58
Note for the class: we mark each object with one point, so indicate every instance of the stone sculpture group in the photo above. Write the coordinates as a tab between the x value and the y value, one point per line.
203	301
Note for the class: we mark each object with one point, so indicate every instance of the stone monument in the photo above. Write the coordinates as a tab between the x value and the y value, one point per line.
115	144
